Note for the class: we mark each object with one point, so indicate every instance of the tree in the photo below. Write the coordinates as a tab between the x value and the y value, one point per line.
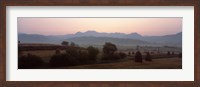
65	43
138	57
133	52
58	60
122	55
30	61
20	52
109	48
172	53
180	55
72	51
129	53
168	53
93	52
148	57
58	51
73	44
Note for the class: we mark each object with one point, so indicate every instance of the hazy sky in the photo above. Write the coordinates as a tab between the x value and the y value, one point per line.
62	26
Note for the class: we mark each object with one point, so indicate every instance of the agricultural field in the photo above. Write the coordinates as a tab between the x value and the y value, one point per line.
160	60
164	63
44	54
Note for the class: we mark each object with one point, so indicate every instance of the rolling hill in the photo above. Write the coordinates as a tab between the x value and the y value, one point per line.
93	37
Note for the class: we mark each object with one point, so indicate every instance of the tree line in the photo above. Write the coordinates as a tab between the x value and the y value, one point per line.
75	55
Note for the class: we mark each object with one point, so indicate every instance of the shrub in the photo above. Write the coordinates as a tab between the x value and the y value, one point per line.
138	57
122	55
111	57
30	61
133	52
72	51
172	53
148	57
168	53
114	56
76	53
129	53
83	57
58	51
59	60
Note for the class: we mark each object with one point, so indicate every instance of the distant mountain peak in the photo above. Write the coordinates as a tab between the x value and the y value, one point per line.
179	33
79	32
134	35
91	31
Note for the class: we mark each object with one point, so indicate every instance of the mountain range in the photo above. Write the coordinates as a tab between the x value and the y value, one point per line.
99	38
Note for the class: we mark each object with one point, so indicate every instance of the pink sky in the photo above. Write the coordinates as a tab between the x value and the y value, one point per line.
62	26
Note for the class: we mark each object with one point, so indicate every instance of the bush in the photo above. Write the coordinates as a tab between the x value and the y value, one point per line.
59	60
72	51
129	53
138	57
78	54
172	53
30	61
57	51
114	56
83	57
148	57
122	55
110	57
168	53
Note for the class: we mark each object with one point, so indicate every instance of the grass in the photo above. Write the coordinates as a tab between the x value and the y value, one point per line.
44	54
161	63
164	63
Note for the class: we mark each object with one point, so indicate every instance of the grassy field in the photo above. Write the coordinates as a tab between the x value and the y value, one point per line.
160	63
164	63
44	54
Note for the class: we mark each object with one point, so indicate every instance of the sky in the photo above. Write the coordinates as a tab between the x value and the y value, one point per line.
63	26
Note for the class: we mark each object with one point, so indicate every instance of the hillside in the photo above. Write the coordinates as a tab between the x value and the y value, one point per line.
98	38
101	40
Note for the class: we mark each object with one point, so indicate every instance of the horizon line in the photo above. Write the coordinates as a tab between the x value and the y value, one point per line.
100	32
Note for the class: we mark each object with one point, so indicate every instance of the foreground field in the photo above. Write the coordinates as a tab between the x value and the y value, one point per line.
44	54
164	63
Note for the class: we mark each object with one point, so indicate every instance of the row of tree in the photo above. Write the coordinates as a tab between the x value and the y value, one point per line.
75	55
